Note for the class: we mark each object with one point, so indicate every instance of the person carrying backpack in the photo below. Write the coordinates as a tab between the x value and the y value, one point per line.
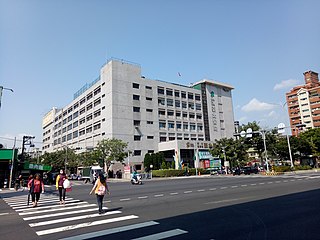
100	188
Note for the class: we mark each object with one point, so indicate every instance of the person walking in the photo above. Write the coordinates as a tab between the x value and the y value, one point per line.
100	188
59	186
35	186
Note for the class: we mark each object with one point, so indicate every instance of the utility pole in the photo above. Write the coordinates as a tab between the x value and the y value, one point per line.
1	89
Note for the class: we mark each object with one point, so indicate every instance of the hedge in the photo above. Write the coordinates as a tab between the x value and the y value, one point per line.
177	172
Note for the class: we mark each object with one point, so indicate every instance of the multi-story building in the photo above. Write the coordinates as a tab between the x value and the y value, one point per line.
150	115
304	104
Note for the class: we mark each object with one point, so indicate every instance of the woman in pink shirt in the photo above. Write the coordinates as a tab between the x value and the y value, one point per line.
35	187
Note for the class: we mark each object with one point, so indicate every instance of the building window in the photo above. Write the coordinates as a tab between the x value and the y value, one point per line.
148	87
135	85
82	111
89	106
161	101
176	93
136	122
148	98
170	125
136	97
162	113
178	114
163	139
89	96
162	125
137	152
89	117
82	121
197	97
69	136
169	102
191	105
150	151
69	127
184	105
160	91
75	124
136	109
97	90
149	122
97	102
177	103
82	132
97	126
169	92
89	129
183	95
179	125
149	110
97	113
150	137
198	106
137	138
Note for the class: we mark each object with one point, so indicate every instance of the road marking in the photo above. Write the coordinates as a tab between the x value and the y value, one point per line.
285	180
174	193
278	181
234	186
125	199
82	225
59	209
224	201
61	214
159	195
292	180
143	197
201	190
30	208
163	235
244	185
253	184
270	182
1	214
187	192
111	231
223	187
212	189
72	219
262	183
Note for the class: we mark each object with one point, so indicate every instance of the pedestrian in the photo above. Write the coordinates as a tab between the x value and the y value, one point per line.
18	183
35	186
59	186
100	188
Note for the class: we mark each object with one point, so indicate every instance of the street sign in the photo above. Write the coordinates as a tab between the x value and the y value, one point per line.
242	133
281	128
249	133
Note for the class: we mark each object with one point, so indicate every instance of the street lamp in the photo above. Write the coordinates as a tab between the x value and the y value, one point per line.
249	133
1	89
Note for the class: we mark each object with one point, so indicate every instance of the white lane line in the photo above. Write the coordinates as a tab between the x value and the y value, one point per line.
278	181
88	224
244	185
159	195
224	201
299	179
293	180
253	184
59	209
143	197
30	208
187	192
1	214
262	183
162	235
72	219
40	202
234	186
213	189
201	190
270	182
125	199
61	214
112	231
174	193
223	187
285	180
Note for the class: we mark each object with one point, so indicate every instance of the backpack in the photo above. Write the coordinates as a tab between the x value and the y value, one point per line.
101	189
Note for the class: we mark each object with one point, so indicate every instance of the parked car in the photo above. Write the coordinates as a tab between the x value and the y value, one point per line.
248	170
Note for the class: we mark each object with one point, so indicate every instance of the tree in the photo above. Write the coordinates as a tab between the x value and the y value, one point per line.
110	150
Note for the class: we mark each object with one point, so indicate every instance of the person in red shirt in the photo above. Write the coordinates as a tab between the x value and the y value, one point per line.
36	187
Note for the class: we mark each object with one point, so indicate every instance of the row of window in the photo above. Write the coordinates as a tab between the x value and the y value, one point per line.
179	104
179	126
172	92
171	114
77	133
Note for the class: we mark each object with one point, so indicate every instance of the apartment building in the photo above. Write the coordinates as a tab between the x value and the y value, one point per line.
150	115
304	104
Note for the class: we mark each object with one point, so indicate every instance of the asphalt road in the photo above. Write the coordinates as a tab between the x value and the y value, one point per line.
207	207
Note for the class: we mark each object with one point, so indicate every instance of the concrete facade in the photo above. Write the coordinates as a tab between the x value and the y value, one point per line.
143	112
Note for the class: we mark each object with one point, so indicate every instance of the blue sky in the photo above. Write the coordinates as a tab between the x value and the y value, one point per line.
50	49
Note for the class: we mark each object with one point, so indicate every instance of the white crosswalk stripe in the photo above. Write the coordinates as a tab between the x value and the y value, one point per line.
50	217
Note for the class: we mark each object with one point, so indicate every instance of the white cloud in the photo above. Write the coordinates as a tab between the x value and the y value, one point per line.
272	114
255	105
285	84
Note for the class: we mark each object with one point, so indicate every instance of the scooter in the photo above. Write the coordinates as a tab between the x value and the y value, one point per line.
136	180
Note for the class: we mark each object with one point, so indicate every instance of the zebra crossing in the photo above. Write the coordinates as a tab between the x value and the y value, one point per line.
49	218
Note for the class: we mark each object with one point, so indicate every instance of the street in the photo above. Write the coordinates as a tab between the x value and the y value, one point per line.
206	207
